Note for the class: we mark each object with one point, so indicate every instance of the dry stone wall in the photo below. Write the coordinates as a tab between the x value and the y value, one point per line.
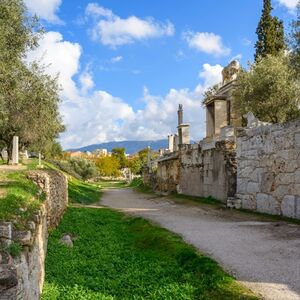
268	174
23	277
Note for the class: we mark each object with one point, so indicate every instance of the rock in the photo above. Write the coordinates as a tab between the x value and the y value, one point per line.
23	237
8	277
67	240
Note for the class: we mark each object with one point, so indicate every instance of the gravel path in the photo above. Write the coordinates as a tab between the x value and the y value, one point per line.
264	256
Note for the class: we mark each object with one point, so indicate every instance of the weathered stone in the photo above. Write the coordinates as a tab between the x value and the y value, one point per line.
23	237
6	230
267	204
253	187
67	240
288	206
8	277
297	140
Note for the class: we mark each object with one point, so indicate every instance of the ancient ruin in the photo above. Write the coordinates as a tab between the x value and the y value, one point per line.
256	167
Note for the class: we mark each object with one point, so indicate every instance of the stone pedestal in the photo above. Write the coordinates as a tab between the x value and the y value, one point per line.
15	150
184	134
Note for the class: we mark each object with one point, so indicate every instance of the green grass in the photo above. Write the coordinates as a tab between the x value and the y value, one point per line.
194	199
82	192
120	257
20	197
138	184
113	184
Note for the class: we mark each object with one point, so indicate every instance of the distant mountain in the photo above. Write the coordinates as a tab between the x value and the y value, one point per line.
130	146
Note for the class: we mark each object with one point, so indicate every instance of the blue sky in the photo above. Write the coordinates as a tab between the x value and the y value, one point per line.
126	65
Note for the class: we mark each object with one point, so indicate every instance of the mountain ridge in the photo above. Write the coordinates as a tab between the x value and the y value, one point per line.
131	147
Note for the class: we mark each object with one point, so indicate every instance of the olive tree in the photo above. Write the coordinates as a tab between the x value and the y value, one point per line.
269	89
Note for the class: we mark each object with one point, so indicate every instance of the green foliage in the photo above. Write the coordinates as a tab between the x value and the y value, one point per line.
82	192
270	90
120	257
119	154
28	97
21	198
137	163
138	184
84	167
54	151
270	33
65	166
14	249
108	166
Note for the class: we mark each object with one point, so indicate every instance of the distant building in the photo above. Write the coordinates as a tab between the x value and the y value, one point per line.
76	154
101	152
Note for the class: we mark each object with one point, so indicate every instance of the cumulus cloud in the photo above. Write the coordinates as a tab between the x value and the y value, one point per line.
206	42
94	116
113	31
45	9
61	57
290	4
86	81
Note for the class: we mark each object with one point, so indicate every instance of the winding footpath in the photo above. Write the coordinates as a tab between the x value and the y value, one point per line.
262	255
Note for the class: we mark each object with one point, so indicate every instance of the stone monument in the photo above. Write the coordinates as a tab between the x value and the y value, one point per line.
15	150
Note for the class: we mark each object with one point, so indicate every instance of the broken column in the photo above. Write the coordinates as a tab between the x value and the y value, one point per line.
15	150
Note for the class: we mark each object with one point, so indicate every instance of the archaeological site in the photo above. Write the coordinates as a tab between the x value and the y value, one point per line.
256	167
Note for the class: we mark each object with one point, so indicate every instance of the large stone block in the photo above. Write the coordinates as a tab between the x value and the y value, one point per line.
288	206
297	140
253	187
297	215
267	204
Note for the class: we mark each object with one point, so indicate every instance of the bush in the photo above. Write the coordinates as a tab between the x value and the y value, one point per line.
84	167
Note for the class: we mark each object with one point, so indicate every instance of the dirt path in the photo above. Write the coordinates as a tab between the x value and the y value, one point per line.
265	256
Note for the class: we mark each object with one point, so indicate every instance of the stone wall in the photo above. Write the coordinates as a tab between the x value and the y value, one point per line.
23	277
268	175
167	176
210	172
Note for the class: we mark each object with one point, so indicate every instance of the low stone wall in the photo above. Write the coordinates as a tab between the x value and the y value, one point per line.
210	172
23	277
268	175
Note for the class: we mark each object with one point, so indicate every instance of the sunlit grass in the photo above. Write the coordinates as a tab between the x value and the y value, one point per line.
120	257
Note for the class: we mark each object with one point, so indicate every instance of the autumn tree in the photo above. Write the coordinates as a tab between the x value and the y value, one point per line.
270	33
119	154
108	166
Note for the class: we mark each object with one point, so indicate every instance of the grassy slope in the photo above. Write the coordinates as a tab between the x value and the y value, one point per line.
20	197
120	257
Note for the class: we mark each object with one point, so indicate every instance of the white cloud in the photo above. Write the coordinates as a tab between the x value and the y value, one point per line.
211	74
206	42
290	4
45	9
86	81
98	116
113	31
116	59
61	57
